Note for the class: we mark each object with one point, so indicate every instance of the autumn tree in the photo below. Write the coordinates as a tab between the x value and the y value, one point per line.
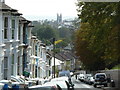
100	27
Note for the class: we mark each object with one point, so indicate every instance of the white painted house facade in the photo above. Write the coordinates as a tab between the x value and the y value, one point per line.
38	63
9	22
19	50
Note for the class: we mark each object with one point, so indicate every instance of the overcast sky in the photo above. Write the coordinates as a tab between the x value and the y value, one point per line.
44	9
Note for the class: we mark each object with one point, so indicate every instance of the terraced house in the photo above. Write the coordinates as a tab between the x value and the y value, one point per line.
19	50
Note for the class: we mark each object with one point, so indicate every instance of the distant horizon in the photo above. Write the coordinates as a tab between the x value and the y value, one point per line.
44	9
37	18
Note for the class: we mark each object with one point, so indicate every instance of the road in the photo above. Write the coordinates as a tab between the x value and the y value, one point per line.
82	86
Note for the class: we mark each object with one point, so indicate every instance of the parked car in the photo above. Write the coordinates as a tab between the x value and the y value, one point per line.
64	73
52	85
81	77
28	81
1	86
64	82
38	81
100	79
8	82
61	85
16	80
66	76
86	78
5	81
91	80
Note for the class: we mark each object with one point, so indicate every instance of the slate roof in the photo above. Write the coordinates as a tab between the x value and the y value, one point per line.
63	56
60	56
24	20
6	8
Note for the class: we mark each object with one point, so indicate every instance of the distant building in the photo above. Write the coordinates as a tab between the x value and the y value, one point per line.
59	19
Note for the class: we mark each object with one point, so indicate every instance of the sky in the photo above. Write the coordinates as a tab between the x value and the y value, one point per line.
44	9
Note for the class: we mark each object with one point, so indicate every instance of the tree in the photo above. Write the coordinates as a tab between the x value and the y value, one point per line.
44	31
89	59
101	32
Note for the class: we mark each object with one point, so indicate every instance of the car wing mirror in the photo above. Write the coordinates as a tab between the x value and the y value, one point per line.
59	88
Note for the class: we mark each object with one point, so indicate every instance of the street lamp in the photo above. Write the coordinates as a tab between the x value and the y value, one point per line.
54	43
54	54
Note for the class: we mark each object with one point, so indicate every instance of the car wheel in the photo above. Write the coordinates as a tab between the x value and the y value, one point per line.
90	83
105	85
95	85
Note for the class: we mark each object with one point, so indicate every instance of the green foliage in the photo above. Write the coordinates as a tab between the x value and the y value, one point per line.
64	32
61	44
89	59
46	32
116	67
67	66
64	43
99	34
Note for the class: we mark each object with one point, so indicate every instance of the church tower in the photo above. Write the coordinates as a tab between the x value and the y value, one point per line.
59	18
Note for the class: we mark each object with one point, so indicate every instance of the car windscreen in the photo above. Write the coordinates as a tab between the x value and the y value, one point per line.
100	75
